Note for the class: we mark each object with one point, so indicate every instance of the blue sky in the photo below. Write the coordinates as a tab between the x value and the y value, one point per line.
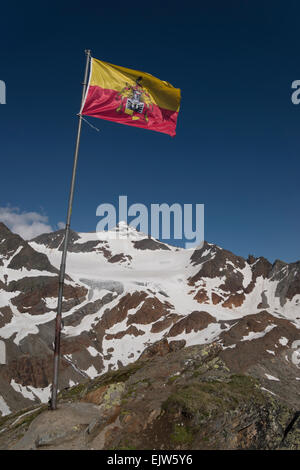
238	135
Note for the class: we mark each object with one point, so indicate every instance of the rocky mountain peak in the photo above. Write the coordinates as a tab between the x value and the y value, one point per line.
55	239
9	242
17	253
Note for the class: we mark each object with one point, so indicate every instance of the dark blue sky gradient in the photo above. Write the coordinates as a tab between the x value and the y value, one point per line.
238	140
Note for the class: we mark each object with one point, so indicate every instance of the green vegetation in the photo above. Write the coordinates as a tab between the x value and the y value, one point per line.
11	418
28	418
128	447
114	376
73	393
208	398
17	424
110	377
181	435
141	382
172	379
123	448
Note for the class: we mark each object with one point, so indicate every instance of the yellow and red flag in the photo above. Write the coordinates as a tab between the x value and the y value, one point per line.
131	97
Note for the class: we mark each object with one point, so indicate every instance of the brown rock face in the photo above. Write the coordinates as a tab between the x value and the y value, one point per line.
161	348
28	370
250	323
202	297
55	239
260	267
151	310
36	367
132	330
36	289
215	262
120	258
212	263
10	242
30	259
27	257
95	396
247	353
165	323
5	315
293	289
71	345
120	311
195	321
235	300
216	299
88	309
149	244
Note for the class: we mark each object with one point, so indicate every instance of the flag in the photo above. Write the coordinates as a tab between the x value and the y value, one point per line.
131	97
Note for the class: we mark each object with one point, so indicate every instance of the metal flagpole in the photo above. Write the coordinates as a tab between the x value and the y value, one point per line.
65	248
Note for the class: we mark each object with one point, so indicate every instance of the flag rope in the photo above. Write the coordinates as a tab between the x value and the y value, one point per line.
91	125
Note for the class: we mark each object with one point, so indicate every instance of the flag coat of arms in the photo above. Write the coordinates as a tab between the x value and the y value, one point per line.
131	97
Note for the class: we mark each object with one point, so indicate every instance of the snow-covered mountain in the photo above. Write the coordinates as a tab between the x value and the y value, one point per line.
128	295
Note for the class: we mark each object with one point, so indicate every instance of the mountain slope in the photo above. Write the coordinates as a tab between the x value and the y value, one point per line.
127	294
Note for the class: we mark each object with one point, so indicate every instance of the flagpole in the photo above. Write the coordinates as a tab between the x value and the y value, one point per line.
65	247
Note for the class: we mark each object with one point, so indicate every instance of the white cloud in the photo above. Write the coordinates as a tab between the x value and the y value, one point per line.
61	225
26	224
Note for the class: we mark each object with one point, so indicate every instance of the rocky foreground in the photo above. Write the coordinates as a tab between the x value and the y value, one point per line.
171	398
